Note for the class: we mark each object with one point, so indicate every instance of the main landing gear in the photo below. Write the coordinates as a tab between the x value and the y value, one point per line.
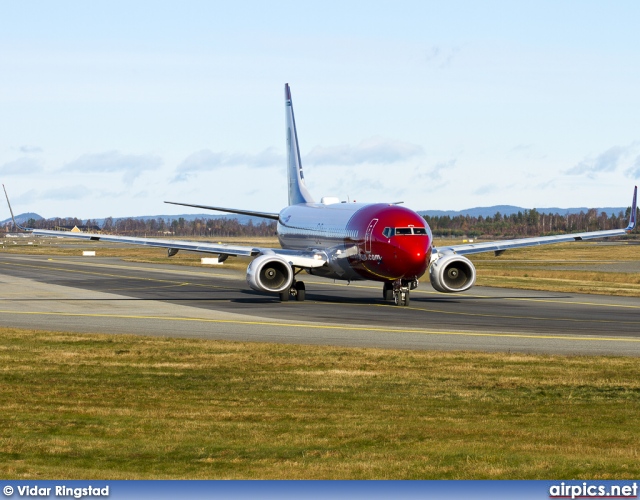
398	291
387	292
297	290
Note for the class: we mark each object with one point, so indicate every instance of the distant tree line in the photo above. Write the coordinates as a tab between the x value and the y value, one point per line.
525	223
163	227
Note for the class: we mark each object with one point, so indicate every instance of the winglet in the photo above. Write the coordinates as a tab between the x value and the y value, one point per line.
11	210
632	215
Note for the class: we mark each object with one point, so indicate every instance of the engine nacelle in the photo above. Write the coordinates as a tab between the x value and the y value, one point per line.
269	273
452	273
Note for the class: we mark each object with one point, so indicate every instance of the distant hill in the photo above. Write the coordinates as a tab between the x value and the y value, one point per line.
22	218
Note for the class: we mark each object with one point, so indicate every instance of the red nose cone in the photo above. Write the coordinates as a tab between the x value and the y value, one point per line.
393	243
409	253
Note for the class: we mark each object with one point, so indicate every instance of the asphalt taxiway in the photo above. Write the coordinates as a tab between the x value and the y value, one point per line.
108	295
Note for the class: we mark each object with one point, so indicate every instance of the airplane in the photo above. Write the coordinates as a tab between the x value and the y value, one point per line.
381	242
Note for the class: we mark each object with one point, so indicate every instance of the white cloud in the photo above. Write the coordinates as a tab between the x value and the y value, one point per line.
114	161
205	160
521	148
527	151
435	174
76	192
486	189
440	57
634	170
30	149
360	188
25	198
608	161
21	166
376	150
65	193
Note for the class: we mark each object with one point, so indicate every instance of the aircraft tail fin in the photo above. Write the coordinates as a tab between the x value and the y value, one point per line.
298	192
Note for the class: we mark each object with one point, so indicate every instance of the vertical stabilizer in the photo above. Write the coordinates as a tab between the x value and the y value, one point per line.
297	189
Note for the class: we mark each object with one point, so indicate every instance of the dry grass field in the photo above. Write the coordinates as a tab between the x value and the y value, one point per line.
87	406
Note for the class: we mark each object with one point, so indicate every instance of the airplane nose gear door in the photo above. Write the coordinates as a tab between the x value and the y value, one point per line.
367	236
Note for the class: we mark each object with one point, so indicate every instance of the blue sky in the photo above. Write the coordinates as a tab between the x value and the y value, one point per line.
110	107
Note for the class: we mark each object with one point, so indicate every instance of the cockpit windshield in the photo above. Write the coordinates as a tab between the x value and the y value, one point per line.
403	231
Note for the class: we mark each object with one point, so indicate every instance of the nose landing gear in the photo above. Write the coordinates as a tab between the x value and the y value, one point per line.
398	291
401	296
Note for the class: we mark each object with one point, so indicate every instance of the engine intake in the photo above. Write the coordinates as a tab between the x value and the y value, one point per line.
452	273
269	273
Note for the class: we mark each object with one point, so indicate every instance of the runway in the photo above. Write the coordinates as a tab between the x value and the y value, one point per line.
108	295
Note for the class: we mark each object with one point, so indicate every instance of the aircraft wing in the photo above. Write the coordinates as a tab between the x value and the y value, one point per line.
195	246
501	246
304	259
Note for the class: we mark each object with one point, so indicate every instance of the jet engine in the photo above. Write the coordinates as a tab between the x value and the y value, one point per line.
452	273
269	273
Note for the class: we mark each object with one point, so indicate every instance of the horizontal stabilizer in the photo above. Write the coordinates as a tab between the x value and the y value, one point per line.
264	215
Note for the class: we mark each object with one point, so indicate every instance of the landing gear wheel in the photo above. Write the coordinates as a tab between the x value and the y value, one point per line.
387	292
300	291
401	298
284	296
